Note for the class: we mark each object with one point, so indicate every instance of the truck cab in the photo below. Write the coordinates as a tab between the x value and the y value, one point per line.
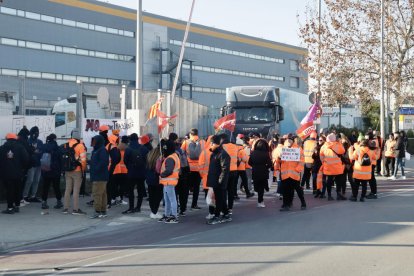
257	109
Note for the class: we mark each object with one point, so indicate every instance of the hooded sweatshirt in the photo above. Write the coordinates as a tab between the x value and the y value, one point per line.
99	161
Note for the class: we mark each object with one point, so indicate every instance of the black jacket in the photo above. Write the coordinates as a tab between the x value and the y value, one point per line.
219	169
56	159
400	147
261	163
14	160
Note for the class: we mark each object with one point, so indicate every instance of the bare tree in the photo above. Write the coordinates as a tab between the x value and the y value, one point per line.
350	45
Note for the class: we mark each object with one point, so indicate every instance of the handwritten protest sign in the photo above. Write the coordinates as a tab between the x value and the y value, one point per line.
290	154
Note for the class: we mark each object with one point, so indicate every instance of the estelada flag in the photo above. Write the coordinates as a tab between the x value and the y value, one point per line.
305	130
163	120
226	122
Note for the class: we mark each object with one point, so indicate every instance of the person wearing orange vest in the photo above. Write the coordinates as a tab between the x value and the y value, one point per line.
373	145
390	146
231	150
119	178
73	179
242	159
204	163
170	170
193	147
333	167
114	159
290	171
308	148
363	157
182	188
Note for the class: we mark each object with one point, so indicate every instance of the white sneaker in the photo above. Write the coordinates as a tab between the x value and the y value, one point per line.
24	203
122	202
392	178
261	205
155	216
209	216
403	177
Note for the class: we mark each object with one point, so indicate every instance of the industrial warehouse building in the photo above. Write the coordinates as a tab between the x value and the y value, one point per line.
47	45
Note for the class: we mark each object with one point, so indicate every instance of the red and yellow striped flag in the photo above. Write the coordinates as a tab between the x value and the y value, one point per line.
153	110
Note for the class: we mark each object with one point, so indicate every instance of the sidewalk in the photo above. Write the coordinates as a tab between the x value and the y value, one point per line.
30	226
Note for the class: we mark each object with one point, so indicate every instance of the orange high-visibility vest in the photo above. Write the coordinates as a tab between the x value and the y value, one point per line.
332	164
247	150
291	169
80	154
319	179
242	158
231	150
362	172
121	168
204	163
185	147
172	179
308	149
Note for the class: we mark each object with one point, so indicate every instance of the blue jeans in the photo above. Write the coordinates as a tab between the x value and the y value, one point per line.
32	182
170	201
400	162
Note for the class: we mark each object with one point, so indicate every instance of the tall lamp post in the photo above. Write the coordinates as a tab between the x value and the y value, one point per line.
79	105
382	108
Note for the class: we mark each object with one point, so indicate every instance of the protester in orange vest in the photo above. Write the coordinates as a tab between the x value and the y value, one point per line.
347	162
114	159
333	167
231	150
204	163
363	157
290	171
308	148
170	170
242	159
390	146
193	147
73	179
381	146
119	178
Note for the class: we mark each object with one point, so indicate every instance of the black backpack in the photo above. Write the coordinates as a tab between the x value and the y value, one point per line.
365	160
136	159
69	161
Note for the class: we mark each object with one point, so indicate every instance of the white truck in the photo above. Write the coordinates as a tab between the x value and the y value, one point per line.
65	113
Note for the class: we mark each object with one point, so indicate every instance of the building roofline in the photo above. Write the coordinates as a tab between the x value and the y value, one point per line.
130	14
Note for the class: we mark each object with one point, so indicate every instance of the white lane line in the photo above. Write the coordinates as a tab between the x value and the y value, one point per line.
101	262
3	271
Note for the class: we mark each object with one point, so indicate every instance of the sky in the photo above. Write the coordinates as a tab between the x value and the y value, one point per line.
276	20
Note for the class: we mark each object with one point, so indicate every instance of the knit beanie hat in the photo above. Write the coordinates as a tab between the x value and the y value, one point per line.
331	137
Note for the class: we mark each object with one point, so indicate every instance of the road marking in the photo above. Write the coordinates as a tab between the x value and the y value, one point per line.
115	223
402	223
3	271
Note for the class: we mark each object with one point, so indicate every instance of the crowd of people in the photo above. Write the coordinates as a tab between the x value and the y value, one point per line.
176	167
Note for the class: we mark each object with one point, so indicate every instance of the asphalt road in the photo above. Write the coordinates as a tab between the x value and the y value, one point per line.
330	238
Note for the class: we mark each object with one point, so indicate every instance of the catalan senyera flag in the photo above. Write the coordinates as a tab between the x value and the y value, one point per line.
226	122
153	110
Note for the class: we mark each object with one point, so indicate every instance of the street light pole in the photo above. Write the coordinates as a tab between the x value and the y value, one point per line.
382	109
79	106
138	55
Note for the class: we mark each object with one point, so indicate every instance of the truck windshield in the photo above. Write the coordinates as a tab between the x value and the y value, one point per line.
255	115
